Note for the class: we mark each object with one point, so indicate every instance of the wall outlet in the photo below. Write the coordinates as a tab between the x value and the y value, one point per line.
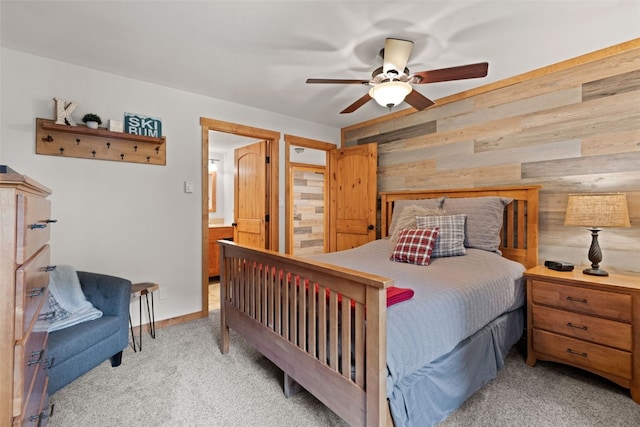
188	186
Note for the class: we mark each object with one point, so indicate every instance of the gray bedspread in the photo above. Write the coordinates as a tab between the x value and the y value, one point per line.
454	298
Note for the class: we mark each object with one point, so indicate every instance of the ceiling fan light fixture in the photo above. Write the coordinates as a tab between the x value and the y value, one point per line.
396	54
390	94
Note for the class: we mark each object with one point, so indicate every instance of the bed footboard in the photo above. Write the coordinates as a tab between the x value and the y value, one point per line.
325	327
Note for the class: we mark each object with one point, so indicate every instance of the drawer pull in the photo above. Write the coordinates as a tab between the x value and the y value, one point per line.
571	325
582	301
34	362
49	221
40	418
34	226
576	353
38	360
49	315
49	268
36	292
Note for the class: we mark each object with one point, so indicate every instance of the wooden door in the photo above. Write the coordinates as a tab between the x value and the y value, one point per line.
353	192
250	206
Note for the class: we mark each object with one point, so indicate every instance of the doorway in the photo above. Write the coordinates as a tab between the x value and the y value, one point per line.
272	188
291	142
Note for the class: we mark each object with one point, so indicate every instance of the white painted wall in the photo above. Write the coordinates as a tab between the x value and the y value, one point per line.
126	219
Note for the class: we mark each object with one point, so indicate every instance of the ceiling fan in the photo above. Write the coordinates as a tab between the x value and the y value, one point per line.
392	83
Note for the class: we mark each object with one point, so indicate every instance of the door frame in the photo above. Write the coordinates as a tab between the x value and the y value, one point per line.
273	152
299	141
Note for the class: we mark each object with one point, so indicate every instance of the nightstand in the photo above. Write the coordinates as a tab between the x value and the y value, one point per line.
589	322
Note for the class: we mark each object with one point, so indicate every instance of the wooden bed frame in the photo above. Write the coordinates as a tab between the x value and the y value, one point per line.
322	343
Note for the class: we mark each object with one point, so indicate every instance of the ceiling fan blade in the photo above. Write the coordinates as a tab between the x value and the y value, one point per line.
462	72
418	100
396	54
338	81
359	103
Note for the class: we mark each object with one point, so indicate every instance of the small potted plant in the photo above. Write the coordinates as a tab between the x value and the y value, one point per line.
92	120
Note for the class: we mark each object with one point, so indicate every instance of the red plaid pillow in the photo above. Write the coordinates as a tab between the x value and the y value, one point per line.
415	246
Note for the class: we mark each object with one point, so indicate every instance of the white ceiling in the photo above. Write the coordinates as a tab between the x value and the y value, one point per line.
259	53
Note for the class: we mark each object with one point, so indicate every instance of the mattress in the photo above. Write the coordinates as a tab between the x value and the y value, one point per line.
454	298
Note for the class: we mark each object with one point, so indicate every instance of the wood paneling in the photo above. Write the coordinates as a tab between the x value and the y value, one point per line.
571	127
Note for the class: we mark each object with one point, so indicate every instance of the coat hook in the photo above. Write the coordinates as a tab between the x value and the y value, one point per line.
148	158
108	145
122	156
157	149
62	150
94	153
48	138
135	148
77	141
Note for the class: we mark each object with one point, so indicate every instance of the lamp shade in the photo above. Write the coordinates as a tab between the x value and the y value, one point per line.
390	94
597	210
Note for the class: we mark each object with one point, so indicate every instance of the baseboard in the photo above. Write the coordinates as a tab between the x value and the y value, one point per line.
177	320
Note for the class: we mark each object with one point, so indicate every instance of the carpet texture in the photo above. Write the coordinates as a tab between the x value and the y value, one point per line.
181	379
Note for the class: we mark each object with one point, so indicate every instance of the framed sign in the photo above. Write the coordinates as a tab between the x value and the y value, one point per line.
138	124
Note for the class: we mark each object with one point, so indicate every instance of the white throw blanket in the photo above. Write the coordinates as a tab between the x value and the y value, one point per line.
67	299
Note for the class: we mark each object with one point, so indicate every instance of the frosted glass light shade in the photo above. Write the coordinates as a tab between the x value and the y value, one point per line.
390	94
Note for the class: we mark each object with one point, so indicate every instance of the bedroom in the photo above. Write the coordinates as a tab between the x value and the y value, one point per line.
128	208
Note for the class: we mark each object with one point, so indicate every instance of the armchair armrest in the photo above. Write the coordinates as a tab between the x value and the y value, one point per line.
109	294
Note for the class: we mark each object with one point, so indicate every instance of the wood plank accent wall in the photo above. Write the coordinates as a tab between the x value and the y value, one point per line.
571	127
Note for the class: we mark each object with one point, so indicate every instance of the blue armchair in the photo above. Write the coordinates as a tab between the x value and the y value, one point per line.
77	349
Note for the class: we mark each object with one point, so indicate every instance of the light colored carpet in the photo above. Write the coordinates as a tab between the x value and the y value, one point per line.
181	379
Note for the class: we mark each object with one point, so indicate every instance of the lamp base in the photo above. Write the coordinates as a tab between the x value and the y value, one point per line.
595	272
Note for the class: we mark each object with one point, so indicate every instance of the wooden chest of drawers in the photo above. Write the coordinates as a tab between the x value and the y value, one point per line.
589	322
24	278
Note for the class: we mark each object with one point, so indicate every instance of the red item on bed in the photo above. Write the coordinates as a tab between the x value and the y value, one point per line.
396	295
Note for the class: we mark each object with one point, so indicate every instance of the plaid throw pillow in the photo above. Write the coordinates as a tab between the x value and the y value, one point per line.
450	240
414	246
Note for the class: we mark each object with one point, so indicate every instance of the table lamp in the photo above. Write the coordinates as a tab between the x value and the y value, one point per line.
595	211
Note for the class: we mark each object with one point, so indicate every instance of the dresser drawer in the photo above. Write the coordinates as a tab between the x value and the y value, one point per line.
584	327
28	359
583	354
589	301
32	279
33	226
33	414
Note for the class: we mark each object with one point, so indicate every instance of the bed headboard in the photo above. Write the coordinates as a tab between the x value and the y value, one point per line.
519	235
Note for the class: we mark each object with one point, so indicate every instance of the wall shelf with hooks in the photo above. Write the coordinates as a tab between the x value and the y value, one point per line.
80	141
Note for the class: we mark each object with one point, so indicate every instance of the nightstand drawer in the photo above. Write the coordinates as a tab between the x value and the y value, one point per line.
583	354
589	301
594	329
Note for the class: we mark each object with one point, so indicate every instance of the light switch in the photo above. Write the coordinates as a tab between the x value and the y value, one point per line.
188	187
